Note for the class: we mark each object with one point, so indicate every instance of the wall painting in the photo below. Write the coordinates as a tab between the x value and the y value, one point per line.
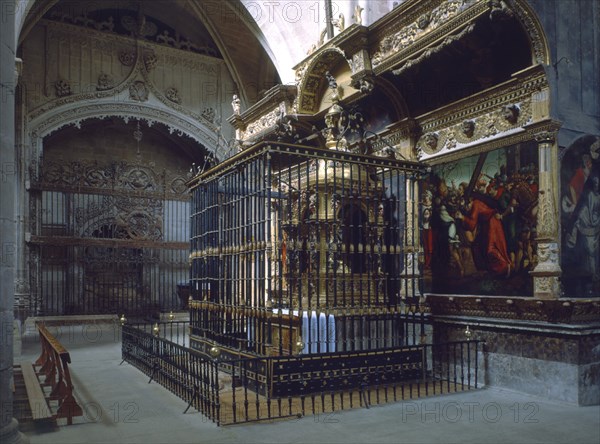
478	219
580	218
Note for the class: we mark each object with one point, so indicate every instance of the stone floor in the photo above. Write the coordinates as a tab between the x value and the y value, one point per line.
121	407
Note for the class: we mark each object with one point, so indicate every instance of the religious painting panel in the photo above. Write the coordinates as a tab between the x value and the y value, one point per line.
580	218
478	223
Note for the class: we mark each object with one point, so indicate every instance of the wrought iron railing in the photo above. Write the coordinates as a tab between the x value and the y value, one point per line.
187	373
249	389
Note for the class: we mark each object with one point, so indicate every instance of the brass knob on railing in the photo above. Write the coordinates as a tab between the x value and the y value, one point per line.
214	352
156	329
123	319
171	316
299	345
468	333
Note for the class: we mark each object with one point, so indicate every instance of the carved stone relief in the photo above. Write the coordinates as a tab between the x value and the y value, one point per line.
265	122
114	176
150	61
173	95
62	88
209	114
105	82
127	58
138	91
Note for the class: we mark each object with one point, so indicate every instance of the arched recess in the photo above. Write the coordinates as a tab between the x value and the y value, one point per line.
227	25
75	114
313	83
109	226
534	29
393	96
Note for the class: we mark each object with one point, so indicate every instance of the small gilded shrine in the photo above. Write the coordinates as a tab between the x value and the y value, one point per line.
304	242
412	158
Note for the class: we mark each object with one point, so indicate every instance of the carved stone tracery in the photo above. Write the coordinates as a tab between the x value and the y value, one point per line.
144	28
121	177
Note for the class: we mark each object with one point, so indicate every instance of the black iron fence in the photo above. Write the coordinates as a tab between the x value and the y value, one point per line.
155	350
246	389
107	238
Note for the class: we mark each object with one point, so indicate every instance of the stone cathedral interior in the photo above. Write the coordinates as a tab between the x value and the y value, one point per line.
290	207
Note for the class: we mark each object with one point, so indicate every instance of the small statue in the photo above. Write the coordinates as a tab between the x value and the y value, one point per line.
331	80
340	23
358	14
236	105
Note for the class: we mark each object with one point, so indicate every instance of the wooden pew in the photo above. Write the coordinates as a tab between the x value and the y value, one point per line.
53	363
40	410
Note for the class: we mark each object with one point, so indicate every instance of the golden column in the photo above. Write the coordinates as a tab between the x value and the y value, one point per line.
546	273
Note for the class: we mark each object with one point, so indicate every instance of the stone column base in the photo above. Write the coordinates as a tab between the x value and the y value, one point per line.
10	434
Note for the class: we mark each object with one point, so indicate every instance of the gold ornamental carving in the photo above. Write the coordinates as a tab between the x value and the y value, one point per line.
506	118
310	77
548	137
547	219
265	122
422	26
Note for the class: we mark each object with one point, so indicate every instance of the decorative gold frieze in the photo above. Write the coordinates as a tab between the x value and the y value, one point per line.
419	28
572	311
503	119
262	124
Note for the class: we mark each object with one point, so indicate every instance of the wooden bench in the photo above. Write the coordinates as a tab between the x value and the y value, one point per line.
53	363
40	410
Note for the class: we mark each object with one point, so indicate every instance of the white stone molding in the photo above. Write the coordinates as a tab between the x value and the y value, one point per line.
152	111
